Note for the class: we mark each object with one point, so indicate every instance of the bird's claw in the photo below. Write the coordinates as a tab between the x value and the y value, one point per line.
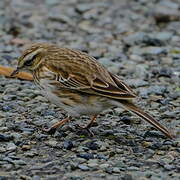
86	128
50	130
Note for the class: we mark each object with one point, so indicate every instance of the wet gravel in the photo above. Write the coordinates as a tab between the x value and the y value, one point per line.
138	40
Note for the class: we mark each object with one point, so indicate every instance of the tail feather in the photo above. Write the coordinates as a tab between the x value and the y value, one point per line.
139	112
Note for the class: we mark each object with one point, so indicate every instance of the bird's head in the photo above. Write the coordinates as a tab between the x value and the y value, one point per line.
31	58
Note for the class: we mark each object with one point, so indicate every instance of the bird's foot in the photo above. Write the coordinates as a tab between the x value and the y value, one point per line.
86	128
54	127
50	130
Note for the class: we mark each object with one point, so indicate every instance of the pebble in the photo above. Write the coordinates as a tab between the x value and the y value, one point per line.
36	177
164	36
92	145
26	147
11	147
153	134
116	170
159	90
136	82
86	156
4	137
133	168
52	143
169	167
68	145
151	50
80	160
2	149
128	177
19	162
92	165
51	2
83	167
146	144
104	166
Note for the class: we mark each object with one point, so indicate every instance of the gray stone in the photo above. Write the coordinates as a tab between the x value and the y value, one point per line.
52	2
104	166
83	167
11	147
116	170
92	165
133	168
136	82
164	36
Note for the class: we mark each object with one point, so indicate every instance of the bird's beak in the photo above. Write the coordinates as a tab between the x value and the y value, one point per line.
15	72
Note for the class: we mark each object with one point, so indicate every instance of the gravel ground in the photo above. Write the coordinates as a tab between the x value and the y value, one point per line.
136	39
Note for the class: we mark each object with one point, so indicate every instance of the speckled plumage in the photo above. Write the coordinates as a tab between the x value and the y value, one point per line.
77	83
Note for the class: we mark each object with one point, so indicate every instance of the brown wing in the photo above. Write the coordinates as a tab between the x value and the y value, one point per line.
78	71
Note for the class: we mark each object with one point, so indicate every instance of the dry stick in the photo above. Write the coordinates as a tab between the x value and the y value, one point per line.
6	71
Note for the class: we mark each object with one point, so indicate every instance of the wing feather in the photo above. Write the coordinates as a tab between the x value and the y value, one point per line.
83	73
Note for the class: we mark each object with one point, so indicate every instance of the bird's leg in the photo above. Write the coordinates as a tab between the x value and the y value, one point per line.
93	119
87	127
53	128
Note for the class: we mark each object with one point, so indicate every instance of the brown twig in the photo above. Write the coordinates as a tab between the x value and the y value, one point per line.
6	71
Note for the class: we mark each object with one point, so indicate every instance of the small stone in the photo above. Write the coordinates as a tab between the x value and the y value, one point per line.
136	82
134	38
168	142
164	36
104	166
83	167
87	26
127	177
153	50
2	149
4	137
159	90
160	152
101	156
153	134
92	165
103	148
68	145
135	57
11	147
114	69
118	110
146	144
169	167
51	143
93	161
120	165
164	14
31	153
92	145
119	151
116	170
26	147
80	160
4	175
169	114
86	156
133	168
156	145
51	2
36	177
19	162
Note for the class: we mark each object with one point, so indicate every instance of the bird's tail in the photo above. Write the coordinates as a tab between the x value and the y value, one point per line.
139	112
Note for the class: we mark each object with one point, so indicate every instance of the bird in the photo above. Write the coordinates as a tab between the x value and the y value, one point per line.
77	83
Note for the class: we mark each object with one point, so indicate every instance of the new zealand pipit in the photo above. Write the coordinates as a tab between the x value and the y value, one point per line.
77	83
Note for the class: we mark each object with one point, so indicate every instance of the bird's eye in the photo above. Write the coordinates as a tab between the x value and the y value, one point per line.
29	62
